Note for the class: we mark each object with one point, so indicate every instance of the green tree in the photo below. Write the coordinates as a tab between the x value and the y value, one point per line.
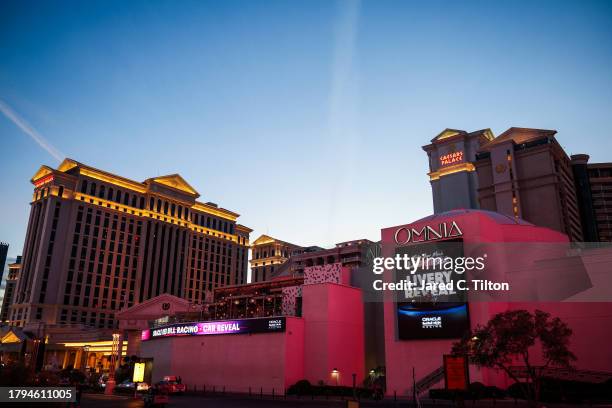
509	338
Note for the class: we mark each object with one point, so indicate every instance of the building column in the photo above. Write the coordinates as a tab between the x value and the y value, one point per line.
77	358
133	345
66	359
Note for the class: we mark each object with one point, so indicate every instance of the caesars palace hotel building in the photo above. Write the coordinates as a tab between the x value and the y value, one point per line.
97	243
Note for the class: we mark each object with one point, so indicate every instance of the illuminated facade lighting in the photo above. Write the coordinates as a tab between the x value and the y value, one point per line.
98	242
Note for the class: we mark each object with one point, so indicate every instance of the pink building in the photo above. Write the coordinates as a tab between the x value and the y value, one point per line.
269	335
543	271
324	342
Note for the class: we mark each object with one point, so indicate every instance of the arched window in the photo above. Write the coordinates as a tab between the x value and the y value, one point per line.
142	201
101	192
165	207
92	189
180	211
134	200
172	209
118	196
84	187
110	193
151	203
126	199
159	205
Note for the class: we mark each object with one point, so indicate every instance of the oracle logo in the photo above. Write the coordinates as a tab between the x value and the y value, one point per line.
426	233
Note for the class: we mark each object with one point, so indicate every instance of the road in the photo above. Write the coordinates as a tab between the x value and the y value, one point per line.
209	401
186	401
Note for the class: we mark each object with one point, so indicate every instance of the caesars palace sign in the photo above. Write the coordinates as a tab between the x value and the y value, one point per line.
405	235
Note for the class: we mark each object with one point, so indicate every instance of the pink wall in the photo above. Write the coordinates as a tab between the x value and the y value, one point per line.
268	360
329	335
334	334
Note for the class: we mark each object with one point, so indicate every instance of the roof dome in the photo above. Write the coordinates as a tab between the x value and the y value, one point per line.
496	217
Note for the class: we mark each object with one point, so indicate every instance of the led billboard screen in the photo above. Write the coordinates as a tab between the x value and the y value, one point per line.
240	326
428	314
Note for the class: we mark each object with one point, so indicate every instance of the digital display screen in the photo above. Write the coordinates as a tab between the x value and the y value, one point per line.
427	314
241	326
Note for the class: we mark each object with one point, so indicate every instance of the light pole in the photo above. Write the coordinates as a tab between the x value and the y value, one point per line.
110	383
85	358
34	358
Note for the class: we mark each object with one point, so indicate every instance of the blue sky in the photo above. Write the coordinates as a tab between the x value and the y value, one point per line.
305	117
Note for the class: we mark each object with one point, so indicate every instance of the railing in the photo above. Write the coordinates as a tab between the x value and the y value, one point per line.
429	380
568	374
180	319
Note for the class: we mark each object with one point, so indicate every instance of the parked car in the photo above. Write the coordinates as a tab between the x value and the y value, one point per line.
102	380
172	385
142	386
155	398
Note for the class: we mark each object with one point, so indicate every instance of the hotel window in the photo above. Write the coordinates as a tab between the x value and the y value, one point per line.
101	191
126	199
180	211
110	193
142	201
118	196
60	192
166	207
134	200
84	187
172	209
92	189
159	205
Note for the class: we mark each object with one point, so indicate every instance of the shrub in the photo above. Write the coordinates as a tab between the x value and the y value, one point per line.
301	387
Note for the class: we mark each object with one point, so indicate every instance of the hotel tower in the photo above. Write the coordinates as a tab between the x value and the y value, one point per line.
97	243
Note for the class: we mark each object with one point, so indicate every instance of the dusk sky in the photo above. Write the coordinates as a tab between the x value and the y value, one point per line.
305	117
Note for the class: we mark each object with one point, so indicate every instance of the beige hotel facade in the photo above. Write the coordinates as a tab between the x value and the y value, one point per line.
97	243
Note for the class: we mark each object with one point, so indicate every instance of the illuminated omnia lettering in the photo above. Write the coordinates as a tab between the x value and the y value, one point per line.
444	230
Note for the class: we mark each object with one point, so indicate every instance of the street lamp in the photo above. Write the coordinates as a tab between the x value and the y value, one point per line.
335	373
